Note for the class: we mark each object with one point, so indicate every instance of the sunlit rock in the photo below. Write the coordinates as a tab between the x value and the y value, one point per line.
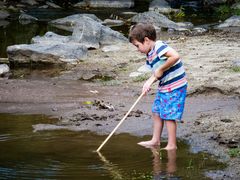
105	3
50	53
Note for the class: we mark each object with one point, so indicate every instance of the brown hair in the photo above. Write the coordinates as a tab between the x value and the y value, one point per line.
140	31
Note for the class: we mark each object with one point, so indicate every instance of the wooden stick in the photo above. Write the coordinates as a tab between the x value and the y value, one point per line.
104	142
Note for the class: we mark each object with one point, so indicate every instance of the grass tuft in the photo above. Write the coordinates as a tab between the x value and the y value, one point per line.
236	68
235	152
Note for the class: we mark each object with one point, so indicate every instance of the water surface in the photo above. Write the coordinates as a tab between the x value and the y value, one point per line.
63	154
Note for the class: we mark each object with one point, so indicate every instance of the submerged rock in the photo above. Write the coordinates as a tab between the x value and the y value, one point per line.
24	16
26	19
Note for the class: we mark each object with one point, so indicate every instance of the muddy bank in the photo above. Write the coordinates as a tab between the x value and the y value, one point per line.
212	108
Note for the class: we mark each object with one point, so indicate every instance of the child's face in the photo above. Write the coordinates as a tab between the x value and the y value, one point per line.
142	47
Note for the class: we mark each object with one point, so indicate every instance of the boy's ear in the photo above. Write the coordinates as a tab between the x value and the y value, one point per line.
146	39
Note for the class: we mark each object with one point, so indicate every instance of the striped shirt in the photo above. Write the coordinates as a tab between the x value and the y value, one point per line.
174	77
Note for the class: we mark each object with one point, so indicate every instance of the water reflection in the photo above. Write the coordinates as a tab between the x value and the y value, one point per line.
159	171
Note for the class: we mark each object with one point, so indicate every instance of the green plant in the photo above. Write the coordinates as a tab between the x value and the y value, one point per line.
235	152
236	68
190	164
180	14
223	10
236	12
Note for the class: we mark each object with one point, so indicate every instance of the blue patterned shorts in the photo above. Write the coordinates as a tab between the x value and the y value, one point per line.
170	105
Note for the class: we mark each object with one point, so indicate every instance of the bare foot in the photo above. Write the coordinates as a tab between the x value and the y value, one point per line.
170	147
149	143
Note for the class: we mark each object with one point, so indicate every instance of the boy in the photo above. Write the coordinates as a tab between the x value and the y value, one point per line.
167	67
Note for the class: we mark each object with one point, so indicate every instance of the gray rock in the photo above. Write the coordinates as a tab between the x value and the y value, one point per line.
155	19
52	5
4	14
105	3
186	25
135	74
236	5
54	48
88	29
68	23
109	36
113	22
236	63
50	37
29	2
24	16
233	21
199	30
4	69
160	6
50	53
87	32
110	48
43	7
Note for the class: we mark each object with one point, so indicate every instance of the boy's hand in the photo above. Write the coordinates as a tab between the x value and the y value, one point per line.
147	85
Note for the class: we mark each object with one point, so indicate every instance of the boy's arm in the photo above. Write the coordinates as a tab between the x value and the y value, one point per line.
148	83
172	58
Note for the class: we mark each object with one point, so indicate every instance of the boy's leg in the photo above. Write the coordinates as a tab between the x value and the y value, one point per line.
172	130
157	131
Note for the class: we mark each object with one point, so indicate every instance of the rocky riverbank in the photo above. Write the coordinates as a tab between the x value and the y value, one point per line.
95	95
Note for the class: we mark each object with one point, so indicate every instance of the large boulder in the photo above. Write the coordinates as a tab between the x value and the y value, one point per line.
109	37
69	22
89	30
158	20
105	3
46	53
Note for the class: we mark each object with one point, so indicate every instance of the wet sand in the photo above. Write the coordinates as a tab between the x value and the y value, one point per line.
211	119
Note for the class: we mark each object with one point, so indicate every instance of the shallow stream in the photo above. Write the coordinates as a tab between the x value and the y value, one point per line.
62	154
